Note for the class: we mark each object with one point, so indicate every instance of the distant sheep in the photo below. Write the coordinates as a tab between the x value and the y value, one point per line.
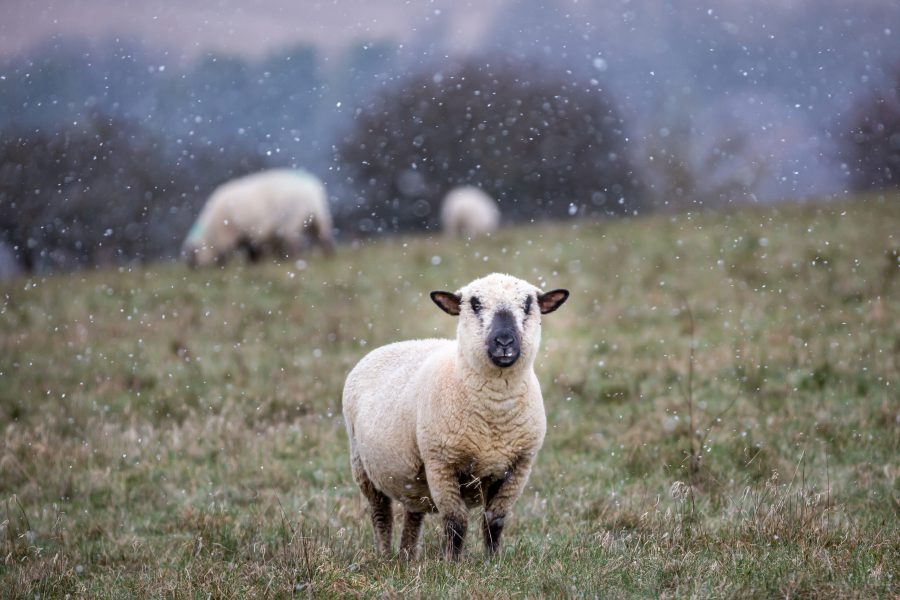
468	211
276	212
445	425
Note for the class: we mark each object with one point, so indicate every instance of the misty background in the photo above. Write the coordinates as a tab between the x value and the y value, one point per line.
118	118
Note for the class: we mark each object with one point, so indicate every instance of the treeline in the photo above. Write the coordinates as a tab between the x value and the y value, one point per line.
109	188
871	138
101	191
543	145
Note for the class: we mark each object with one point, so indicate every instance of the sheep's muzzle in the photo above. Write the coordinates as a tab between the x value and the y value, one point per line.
503	341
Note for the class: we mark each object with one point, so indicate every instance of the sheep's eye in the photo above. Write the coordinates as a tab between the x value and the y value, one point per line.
527	306
476	305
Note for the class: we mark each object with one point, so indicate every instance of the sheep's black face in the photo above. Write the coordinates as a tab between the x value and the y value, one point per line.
504	343
499	321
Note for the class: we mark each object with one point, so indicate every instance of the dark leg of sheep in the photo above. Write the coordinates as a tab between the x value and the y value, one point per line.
443	482
382	516
327	244
322	236
455	532
491	524
498	502
382	520
409	539
253	250
279	248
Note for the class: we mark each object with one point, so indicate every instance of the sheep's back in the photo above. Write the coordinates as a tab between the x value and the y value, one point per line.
266	202
470	208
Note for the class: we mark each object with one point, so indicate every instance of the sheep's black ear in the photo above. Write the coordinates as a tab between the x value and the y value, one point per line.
552	300
448	302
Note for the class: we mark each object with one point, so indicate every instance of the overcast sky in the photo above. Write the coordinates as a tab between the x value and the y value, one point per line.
784	70
251	28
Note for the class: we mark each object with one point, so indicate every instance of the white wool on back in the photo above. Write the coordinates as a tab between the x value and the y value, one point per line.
278	204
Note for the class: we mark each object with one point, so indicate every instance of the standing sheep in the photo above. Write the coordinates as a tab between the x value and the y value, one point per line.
445	425
468	211
272	211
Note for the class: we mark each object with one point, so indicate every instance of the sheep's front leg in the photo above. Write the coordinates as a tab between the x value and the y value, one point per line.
498	502
443	483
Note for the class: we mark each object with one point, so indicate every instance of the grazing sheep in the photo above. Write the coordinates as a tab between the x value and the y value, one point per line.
445	425
468	211
273	211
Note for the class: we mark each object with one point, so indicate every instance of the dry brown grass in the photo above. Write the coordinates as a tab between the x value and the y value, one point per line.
176	434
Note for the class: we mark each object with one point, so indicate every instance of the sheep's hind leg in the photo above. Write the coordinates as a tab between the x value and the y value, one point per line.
382	520
382	515
409	539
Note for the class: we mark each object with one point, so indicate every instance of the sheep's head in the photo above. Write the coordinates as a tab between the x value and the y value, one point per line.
195	251
197	255
500	319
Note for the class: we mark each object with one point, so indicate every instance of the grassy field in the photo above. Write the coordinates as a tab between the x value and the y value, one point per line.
176	433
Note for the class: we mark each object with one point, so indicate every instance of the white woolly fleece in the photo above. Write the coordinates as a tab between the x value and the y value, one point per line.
274	205
420	413
468	211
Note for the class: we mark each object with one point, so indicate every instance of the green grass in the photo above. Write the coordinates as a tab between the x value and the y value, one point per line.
176	433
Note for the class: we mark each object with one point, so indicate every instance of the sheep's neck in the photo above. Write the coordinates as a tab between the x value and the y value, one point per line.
497	385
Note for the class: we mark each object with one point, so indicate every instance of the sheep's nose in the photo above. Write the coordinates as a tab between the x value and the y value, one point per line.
504	339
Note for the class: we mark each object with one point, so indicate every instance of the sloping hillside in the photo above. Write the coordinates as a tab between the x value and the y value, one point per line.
166	430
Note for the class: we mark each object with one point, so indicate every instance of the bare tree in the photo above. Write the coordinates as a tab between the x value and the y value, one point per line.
102	191
873	139
542	144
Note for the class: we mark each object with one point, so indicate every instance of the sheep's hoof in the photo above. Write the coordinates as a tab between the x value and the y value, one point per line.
455	530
